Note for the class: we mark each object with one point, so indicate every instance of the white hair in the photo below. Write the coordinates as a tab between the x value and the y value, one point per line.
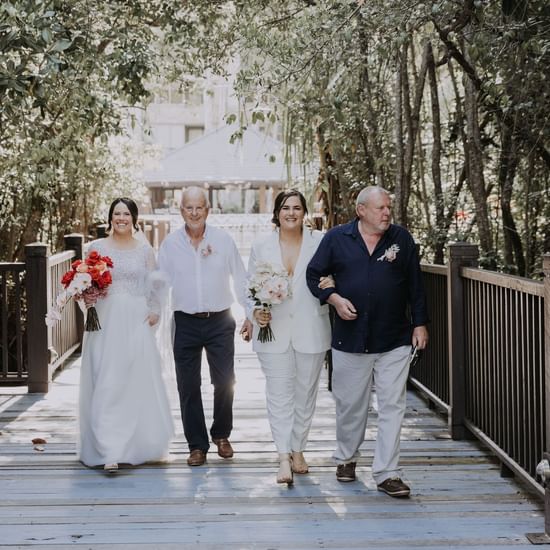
366	192
193	190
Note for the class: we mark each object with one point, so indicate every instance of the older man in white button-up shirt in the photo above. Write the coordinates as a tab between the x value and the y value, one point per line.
200	260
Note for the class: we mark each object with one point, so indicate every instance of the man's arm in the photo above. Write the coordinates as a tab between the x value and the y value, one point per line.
319	266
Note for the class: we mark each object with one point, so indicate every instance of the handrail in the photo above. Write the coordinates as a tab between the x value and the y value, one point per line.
513	282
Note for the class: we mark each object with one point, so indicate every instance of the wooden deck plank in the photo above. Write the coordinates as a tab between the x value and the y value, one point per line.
48	500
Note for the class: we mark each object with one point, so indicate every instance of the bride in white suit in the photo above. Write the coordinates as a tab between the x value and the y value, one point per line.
292	362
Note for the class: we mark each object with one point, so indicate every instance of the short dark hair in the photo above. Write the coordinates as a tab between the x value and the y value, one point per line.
132	207
280	200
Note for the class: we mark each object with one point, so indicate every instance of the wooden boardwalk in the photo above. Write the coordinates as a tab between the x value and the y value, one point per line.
49	500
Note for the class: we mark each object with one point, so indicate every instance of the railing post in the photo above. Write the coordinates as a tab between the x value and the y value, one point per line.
38	288
543	469
101	230
75	241
460	255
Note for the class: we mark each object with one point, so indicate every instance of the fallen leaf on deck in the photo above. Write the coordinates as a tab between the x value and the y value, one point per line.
39	441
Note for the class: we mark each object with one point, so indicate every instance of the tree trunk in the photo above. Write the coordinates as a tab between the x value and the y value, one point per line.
412	121
399	151
476	180
440	236
336	211
513	248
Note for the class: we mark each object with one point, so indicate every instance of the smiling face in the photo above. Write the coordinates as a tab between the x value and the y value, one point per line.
121	220
291	214
194	210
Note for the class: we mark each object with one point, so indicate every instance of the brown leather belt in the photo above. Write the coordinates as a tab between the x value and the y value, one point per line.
206	314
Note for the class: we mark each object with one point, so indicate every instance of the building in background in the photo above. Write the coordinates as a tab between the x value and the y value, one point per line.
196	146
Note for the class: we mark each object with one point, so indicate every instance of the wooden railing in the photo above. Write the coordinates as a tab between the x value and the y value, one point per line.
31	351
432	374
489	375
12	338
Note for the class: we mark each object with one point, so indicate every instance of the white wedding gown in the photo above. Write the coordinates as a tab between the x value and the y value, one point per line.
124	410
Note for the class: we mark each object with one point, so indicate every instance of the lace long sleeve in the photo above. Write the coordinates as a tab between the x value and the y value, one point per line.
156	285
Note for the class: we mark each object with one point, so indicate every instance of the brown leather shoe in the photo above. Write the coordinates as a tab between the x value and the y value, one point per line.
196	458
224	447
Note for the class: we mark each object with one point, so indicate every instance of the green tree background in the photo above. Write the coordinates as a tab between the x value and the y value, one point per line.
444	103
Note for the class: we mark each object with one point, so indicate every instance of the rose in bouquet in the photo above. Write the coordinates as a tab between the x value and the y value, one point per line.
268	286
87	280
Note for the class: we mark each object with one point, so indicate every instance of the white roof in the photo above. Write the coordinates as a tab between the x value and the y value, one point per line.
256	158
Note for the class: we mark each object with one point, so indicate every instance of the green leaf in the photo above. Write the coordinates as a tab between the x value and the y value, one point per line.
62	45
46	35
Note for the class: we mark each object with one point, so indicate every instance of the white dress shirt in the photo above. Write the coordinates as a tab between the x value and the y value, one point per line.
200	277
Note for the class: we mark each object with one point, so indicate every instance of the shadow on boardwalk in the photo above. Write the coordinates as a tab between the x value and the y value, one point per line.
49	500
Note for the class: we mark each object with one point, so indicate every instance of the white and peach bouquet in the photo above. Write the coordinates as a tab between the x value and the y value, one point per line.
268	286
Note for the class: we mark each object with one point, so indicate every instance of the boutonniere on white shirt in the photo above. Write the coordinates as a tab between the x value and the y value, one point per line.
390	254
206	251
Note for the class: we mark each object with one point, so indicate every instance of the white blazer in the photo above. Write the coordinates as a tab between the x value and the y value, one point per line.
299	320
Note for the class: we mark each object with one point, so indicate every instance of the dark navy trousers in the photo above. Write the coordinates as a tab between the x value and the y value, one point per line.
216	335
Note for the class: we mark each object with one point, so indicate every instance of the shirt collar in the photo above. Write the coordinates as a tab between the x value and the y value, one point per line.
204	236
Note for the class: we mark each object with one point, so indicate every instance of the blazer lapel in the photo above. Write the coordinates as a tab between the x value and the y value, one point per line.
272	253
308	243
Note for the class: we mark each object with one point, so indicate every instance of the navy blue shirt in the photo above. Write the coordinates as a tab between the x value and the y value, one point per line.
385	288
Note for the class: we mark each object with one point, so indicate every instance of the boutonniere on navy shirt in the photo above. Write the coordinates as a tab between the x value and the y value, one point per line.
206	251
390	254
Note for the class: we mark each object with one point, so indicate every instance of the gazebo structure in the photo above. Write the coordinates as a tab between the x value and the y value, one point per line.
241	177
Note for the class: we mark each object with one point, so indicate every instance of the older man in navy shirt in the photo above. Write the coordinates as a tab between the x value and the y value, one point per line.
381	311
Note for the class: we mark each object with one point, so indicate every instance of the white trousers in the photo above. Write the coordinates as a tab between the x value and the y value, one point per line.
352	379
291	384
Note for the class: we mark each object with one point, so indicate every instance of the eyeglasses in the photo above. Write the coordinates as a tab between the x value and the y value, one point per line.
415	356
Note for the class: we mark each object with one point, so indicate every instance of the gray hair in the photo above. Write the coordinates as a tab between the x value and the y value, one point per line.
366	192
193	190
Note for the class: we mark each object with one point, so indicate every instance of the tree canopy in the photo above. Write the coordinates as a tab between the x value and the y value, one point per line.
68	71
444	103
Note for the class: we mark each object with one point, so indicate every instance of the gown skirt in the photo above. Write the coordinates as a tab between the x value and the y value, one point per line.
124	410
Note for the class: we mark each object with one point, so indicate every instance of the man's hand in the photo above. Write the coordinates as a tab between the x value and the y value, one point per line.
420	337
246	330
345	309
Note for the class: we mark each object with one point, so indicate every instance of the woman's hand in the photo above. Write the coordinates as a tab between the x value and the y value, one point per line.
262	317
153	319
326	282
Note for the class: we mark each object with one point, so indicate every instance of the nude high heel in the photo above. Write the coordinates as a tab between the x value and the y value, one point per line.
284	475
298	463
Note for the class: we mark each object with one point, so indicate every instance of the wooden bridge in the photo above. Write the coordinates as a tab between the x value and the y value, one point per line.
486	370
48	500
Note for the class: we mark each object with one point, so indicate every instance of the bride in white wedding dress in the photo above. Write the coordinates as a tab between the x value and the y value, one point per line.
124	410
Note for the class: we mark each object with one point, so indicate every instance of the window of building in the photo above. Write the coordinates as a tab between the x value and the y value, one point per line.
193	132
170	136
193	98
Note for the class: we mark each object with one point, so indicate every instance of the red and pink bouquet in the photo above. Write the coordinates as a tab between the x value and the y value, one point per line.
87	280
